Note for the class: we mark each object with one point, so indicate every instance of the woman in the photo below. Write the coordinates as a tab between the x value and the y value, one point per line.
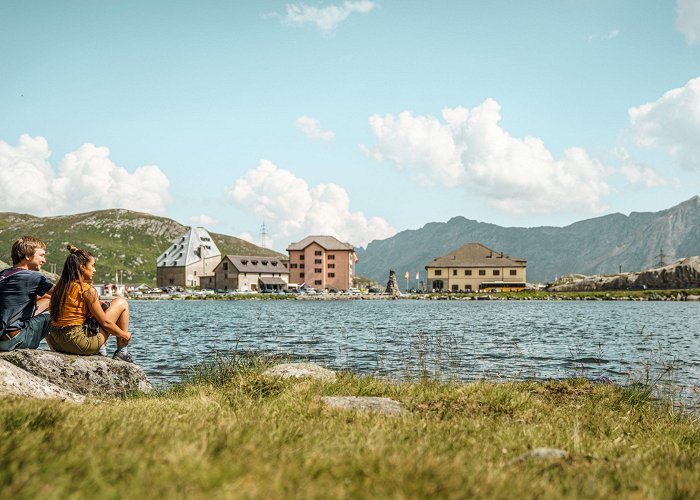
73	299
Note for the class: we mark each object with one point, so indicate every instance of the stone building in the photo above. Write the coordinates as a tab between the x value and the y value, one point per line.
188	258
248	273
474	267
321	262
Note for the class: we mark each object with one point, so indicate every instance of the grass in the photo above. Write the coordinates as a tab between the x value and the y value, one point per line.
228	431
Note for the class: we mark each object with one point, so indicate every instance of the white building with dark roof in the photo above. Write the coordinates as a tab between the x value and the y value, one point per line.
475	267
188	258
248	273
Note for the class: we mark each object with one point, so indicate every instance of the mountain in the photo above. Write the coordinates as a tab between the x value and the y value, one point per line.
595	246
121	240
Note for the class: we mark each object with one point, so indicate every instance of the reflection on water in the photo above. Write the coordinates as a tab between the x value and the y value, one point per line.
451	339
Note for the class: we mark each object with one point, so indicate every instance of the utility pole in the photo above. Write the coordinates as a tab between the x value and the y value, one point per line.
263	235
661	259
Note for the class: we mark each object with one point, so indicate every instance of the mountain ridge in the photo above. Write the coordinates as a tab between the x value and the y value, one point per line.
591	246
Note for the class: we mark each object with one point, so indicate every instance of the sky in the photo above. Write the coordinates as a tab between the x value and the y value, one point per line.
356	118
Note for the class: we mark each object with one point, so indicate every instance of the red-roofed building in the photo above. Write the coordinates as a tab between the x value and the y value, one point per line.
321	262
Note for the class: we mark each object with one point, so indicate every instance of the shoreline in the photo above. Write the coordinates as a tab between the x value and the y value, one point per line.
672	295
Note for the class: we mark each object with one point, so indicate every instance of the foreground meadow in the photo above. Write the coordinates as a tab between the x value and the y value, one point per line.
229	432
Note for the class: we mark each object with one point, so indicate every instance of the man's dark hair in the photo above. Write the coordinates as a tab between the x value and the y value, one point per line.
25	248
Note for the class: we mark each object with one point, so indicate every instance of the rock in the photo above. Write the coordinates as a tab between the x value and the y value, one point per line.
86	375
540	453
14	381
392	286
368	403
693	298
684	273
299	370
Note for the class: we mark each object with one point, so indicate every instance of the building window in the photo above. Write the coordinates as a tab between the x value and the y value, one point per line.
331	275
513	272
301	266
293	266
331	266
301	257
454	272
318	252
482	272
438	272
301	275
455	288
318	282
318	270
318	261
331	257
496	272
171	281
467	272
225	277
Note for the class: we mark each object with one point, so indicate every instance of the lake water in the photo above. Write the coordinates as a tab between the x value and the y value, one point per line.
463	340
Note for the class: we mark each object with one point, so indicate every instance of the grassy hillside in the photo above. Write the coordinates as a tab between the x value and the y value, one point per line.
121	240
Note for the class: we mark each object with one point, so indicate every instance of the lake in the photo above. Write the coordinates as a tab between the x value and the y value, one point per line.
463	340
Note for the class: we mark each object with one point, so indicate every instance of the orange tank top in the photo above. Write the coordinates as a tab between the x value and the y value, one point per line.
74	310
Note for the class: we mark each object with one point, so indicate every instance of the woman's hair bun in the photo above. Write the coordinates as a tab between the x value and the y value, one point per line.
71	248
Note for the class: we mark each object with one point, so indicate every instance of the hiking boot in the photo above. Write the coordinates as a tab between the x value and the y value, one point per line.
120	355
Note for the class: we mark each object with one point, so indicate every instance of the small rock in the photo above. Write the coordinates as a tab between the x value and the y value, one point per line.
299	370
693	298
16	382
540	453
367	403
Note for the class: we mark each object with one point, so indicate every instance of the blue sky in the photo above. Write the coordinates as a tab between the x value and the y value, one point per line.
354	118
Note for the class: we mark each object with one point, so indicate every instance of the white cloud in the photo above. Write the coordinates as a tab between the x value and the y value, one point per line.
672	123
638	175
326	19
204	220
469	150
688	20
643	176
87	179
610	35
292	210
311	128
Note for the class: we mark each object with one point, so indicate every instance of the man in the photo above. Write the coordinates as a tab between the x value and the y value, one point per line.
24	293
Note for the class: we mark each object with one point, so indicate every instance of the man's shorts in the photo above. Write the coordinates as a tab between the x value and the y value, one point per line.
30	336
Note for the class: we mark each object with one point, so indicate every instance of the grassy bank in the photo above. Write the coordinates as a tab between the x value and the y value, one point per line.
230	432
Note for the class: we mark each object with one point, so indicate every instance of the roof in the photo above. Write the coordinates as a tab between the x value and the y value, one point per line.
272	280
327	242
186	249
476	255
256	264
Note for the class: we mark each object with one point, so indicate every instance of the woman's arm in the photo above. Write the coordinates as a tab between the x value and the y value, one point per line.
93	302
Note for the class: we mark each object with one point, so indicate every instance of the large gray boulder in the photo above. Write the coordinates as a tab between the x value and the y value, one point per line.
87	375
14	381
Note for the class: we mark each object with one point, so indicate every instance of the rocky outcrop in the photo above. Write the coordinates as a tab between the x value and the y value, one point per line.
86	375
392	286
301	370
14	381
684	273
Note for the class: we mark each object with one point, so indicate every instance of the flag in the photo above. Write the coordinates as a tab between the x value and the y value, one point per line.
417	275
406	275
354	256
